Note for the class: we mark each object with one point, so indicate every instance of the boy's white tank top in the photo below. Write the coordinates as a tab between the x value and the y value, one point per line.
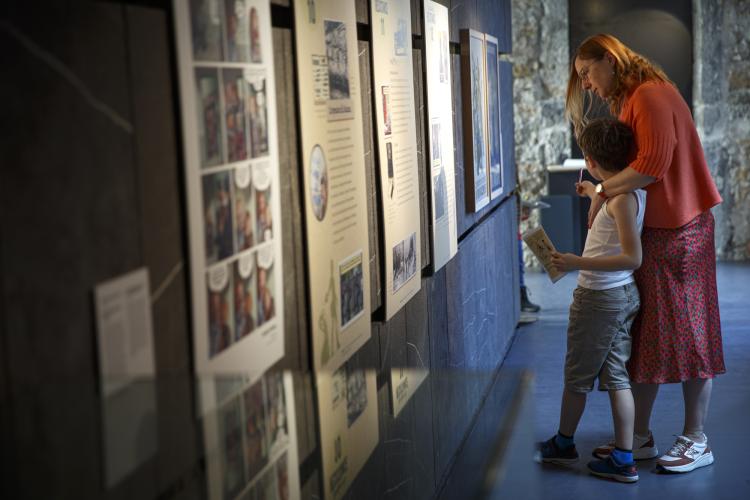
603	240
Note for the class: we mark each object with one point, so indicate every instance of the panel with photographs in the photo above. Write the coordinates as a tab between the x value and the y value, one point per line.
251	451
347	402
494	139
398	152
334	177
241	280
440	118
227	94
474	91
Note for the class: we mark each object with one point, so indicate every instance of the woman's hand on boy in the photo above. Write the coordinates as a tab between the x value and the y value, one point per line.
564	262
585	188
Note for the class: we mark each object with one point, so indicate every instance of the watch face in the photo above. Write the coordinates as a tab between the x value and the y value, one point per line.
599	188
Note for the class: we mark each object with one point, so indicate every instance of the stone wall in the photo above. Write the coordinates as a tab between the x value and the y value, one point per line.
721	105
540	68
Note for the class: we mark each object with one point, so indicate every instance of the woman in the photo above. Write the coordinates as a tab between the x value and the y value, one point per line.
677	335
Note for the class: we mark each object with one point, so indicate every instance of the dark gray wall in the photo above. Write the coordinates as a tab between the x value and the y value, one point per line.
91	187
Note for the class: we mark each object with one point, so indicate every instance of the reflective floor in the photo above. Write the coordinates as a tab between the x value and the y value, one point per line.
541	346
288	436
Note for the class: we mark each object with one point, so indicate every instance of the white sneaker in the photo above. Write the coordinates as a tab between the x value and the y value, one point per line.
686	455
642	449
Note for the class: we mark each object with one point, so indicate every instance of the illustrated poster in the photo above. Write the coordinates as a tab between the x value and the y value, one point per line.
474	95
347	402
334	177
440	116
393	80
227	94
251	441
494	138
337	235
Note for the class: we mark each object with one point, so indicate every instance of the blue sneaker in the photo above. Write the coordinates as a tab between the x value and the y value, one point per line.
549	452
610	469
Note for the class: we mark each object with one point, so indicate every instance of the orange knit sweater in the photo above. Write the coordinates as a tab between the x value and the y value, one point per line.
668	148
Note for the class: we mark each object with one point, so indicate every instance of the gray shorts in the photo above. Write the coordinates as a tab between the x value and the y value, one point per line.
599	338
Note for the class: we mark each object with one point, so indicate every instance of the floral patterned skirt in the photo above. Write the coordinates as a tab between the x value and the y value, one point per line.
677	334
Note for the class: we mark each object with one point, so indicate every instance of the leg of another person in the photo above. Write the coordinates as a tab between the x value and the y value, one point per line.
644	396
697	395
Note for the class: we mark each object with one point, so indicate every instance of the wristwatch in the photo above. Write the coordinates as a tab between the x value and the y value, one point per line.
599	189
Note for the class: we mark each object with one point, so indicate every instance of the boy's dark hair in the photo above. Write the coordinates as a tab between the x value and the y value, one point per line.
607	141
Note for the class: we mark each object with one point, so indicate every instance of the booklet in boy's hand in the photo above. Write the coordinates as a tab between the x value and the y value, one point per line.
539	243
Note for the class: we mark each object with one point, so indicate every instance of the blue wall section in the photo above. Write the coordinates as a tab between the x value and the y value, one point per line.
107	200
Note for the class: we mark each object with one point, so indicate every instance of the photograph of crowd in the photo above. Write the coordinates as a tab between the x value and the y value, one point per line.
404	261
244	305
256	443
338	65
276	420
264	223
440	194
352	289
265	306
234	114
356	393
220	325
207	31
257	116
256	54
237	31
231	444
217	217
209	116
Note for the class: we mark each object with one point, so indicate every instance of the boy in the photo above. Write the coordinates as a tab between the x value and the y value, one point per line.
604	305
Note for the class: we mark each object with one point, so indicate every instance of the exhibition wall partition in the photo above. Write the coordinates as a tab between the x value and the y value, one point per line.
310	205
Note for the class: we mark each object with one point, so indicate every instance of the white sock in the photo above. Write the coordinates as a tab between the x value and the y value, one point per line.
696	437
640	439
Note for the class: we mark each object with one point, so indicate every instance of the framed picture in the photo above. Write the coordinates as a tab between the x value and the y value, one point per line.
494	139
474	95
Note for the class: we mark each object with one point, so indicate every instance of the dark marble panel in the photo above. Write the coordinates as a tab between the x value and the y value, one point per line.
490	16
494	19
70	215
462	14
438	318
506	39
372	175
497	414
450	411
399	448
296	340
163	246
425	217
507	126
420	450
417	329
393	344
423	456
